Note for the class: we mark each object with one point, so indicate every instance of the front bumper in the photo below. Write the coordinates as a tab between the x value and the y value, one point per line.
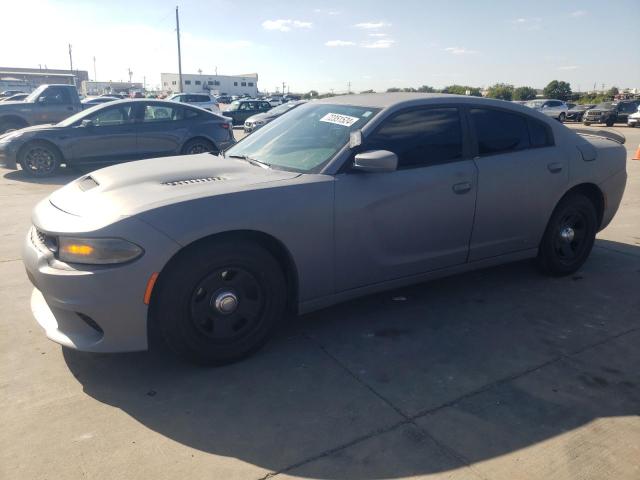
91	307
633	122
8	155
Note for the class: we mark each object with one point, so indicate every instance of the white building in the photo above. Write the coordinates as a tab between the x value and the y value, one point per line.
215	84
90	87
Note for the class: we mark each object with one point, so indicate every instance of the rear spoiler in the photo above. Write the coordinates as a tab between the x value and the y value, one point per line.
608	134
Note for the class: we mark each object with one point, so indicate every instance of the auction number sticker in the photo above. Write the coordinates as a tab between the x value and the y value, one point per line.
344	120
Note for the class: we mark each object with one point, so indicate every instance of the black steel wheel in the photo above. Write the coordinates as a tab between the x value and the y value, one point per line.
219	301
569	236
39	159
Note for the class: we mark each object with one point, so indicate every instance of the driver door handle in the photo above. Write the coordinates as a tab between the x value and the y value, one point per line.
461	188
554	167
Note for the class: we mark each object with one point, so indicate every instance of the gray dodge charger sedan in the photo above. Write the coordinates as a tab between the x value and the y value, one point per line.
337	199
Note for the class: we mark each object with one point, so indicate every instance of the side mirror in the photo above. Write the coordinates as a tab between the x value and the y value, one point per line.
376	161
86	123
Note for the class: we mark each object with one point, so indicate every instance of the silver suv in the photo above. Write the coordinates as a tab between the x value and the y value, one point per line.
552	108
202	100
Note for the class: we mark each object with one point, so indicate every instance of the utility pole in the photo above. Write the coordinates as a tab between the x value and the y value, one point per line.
95	76
349	86
179	53
130	74
71	64
283	88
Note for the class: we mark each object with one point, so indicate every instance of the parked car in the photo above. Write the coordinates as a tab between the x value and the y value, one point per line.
634	119
90	102
552	108
202	100
274	100
291	98
116	132
46	104
223	99
9	93
575	113
259	120
240	110
611	113
120	95
339	198
18	97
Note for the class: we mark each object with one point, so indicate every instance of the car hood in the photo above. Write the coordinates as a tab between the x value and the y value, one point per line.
257	116
130	188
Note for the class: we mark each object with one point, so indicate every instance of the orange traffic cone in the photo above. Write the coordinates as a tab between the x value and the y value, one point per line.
637	155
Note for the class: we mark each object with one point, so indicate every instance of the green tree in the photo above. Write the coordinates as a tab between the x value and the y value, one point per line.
409	89
612	92
524	93
558	90
368	91
311	94
501	91
462	90
394	89
426	89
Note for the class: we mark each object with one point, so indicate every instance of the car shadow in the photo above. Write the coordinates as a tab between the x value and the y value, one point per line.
64	176
487	362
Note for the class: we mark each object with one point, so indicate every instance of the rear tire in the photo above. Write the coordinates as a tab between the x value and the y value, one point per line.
586	124
561	117
198	145
569	237
609	123
219	301
39	159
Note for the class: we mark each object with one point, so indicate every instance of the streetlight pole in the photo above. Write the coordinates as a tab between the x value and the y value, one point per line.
95	76
71	64
179	53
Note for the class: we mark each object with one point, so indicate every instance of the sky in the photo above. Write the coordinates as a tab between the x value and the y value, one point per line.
323	44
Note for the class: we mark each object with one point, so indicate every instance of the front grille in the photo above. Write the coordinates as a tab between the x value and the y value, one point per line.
190	181
247	124
44	242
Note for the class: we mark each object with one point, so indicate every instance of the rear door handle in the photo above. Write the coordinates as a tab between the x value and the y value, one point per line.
461	188
554	167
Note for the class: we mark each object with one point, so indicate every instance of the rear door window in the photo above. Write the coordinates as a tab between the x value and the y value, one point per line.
498	131
161	113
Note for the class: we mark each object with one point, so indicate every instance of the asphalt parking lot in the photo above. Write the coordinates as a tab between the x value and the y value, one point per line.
495	374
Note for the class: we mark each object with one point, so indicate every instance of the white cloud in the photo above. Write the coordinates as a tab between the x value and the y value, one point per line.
327	12
284	25
579	13
378	34
371	25
339	43
459	51
530	24
568	67
383	43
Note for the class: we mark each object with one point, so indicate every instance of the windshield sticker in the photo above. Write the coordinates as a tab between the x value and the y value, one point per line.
366	114
344	120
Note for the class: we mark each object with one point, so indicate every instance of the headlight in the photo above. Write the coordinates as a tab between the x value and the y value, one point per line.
258	122
97	251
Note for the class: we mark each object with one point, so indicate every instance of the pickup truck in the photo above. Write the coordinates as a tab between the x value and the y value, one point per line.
46	104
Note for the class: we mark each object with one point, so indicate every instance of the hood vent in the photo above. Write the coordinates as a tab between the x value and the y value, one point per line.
87	183
190	181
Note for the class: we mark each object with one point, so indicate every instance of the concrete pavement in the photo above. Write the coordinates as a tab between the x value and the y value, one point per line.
495	374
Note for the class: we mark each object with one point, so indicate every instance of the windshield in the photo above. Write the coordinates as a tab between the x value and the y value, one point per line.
305	139
234	105
67	122
604	106
535	103
35	94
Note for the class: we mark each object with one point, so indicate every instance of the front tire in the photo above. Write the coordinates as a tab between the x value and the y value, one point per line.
561	117
39	159
218	302
569	237
609	123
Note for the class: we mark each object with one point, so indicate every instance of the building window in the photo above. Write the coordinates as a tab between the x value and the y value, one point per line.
243	84
209	82
165	84
216	82
235	84
173	82
187	82
198	82
250	84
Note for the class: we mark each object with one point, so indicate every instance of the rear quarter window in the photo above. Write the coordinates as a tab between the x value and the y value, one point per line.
539	134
